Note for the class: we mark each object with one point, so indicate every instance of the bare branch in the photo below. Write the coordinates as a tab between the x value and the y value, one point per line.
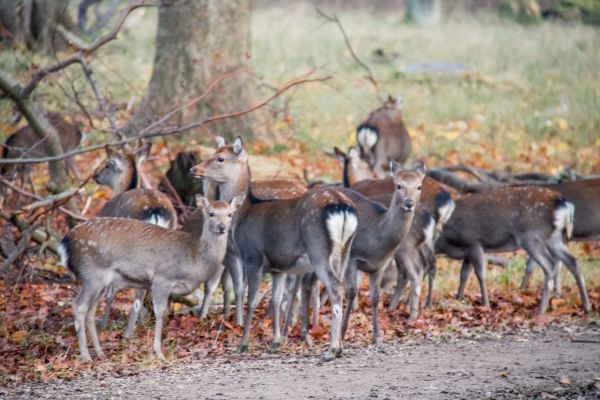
174	130
51	200
334	18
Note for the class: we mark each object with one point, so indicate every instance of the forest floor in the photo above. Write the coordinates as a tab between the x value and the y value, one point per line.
558	361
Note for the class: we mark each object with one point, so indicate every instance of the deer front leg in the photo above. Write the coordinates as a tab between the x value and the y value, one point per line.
227	285
374	281
110	296
209	288
529	267
478	259
465	271
277	298
291	302
234	266
160	302
351	293
135	312
401	279
254	272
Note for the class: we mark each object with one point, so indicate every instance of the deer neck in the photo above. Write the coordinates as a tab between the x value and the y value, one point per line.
228	190
396	221
130	180
210	246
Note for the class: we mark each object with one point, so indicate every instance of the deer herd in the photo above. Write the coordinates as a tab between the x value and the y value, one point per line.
384	220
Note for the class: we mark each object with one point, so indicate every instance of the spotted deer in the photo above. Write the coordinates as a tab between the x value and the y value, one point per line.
585	196
310	233
25	143
120	173
124	253
383	136
532	218
416	255
232	278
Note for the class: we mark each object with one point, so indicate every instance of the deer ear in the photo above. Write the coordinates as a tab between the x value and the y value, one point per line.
339	154
237	201
202	202
142	153
391	98
394	167
420	167
220	141
238	149
352	152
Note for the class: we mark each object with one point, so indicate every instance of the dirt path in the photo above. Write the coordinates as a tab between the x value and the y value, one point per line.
528	365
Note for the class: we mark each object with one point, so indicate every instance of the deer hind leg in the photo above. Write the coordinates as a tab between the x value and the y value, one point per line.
477	257
160	303
277	298
291	302
540	254
401	280
430	264
254	273
465	271
134	314
529	267
81	306
90	321
316	302
309	283
351	292
227	286
374	282
416	280
560	252
235	268
110	297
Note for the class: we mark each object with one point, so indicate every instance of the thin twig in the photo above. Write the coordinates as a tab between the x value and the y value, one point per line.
334	18
51	200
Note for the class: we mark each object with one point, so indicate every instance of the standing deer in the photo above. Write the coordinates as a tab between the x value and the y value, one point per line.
124	253
120	173
309	233
383	136
532	218
233	276
25	143
585	195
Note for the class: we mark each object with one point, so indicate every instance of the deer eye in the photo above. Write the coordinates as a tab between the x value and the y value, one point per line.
229	215
220	159
419	188
211	214
398	186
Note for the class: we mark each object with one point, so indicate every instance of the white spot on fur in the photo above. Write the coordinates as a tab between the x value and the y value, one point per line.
336	310
366	137
136	305
418	290
64	255
551	284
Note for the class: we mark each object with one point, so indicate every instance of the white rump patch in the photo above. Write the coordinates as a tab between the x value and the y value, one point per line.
158	220
564	218
429	231
367	138
64	255
446	211
341	225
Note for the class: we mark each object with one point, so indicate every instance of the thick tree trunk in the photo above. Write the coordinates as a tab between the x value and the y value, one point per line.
197	42
33	23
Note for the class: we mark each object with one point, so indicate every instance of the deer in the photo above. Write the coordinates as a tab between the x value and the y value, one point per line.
585	195
120	173
416	255
309	233
25	143
126	253
232	278
383	136
535	219
180	181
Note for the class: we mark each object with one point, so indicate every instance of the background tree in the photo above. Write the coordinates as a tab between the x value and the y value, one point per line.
197	42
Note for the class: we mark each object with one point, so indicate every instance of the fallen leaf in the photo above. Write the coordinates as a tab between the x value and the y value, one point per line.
564	380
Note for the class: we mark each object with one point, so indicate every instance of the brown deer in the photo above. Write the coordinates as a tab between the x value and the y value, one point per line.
233	276
125	253
415	256
25	143
179	179
532	218
120	173
354	168
310	233
585	195
383	136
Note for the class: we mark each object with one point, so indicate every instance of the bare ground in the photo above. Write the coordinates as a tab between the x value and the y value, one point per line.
557	362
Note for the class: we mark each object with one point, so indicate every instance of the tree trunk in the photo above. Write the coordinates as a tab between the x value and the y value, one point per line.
33	23
197	42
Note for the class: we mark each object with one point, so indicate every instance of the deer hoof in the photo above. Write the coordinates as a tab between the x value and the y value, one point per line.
85	357
243	348
275	347
328	356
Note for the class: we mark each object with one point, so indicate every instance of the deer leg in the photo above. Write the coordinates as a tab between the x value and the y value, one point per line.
135	312
558	287
401	279
540	255
374	281
90	320
254	273
478	260
234	266
276	299
529	267
290	306
160	302
465	271
559	250
351	292
316	299
81	305
416	279
110	297
309	281
209	288
431	271
227	286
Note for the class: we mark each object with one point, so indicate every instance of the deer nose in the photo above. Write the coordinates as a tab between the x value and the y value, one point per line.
222	227
409	204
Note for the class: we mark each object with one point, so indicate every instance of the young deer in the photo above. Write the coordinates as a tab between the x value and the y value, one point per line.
532	218
585	195
380	234
233	275
383	136
25	143
120	173
416	255
312	232
125	253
